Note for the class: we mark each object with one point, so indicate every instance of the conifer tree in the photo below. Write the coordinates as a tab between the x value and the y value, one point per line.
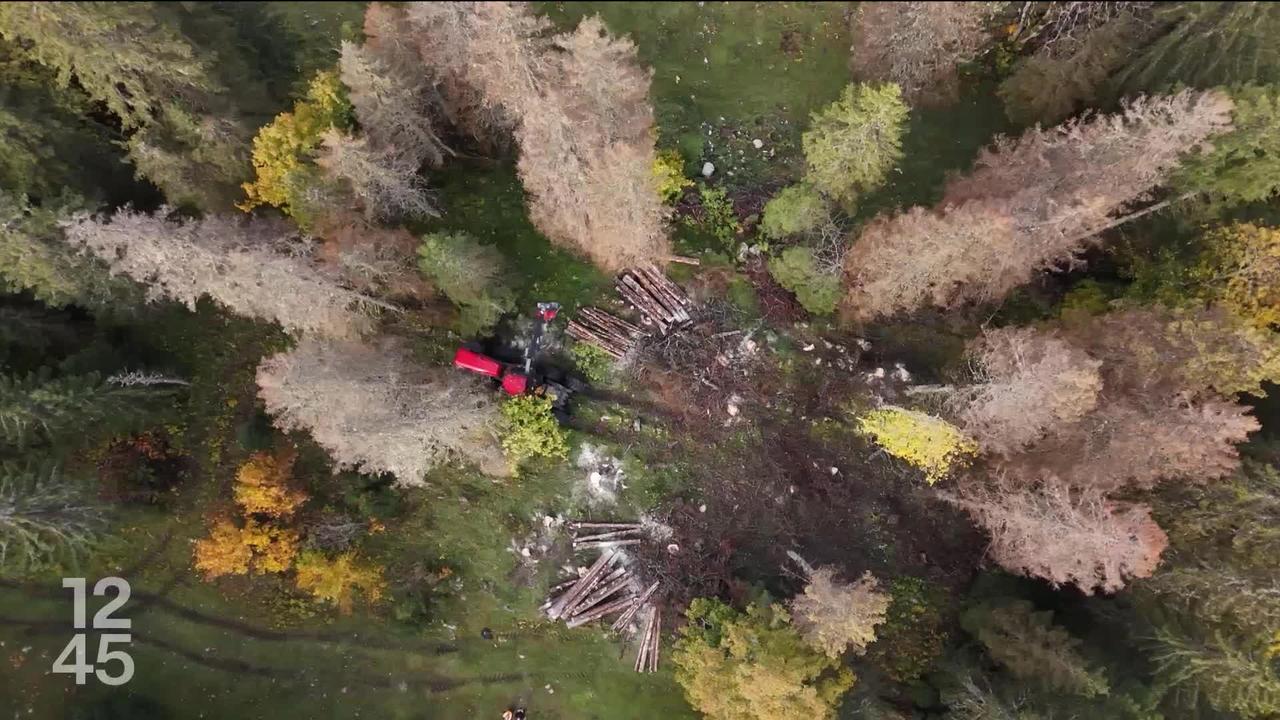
1030	204
1031	647
1244	164
836	616
35	258
1229	677
44	518
1222	577
852	144
186	135
256	268
41	410
375	411
1208	44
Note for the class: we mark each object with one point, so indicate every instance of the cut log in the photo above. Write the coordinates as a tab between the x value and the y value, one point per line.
601	579
607	535
578	590
631	612
599	612
601	595
683	260
611	334
643	656
657	640
605	544
604	525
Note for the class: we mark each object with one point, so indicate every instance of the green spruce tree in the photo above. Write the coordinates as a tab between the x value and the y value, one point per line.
42	411
45	519
1031	647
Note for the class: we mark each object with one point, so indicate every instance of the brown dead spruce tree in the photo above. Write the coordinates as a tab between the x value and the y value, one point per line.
256	268
1076	417
1031	204
578	103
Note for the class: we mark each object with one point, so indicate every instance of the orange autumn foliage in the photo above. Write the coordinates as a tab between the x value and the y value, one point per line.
234	550
263	485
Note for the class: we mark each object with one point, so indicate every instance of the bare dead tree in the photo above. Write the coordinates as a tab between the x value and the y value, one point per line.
387	183
257	268
1065	536
1031	204
1028	383
375	411
918	44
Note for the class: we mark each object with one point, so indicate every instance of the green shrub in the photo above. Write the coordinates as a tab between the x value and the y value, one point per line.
718	217
796	270
794	210
668	170
742	294
530	430
1089	297
594	364
912	636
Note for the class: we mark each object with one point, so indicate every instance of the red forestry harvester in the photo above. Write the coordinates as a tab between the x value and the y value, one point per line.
525	375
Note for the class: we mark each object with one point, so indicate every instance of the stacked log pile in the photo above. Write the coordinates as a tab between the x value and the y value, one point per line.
609	587
607	332
659	301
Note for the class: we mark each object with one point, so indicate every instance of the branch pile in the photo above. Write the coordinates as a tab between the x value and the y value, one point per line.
607	332
659	301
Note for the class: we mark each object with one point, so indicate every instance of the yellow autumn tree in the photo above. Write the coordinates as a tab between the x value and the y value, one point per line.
232	549
929	443
263	485
1241	269
755	666
336	580
282	148
224	551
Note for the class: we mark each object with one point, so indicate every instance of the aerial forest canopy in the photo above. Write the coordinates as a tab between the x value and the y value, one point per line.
779	361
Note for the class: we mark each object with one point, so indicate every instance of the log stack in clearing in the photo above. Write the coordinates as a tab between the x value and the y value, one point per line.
659	301
609	587
607	332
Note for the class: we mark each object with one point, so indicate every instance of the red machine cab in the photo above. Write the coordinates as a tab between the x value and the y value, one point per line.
514	383
475	362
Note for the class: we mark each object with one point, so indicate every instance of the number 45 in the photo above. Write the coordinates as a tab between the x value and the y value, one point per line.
102	620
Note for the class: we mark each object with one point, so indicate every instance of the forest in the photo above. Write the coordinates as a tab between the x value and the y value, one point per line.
578	360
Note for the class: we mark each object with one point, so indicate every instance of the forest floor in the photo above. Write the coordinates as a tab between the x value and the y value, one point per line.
738	491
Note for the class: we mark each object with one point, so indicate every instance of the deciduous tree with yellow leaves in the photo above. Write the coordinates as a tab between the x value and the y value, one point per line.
232	549
754	666
1241	269
263	485
336	580
281	148
929	443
